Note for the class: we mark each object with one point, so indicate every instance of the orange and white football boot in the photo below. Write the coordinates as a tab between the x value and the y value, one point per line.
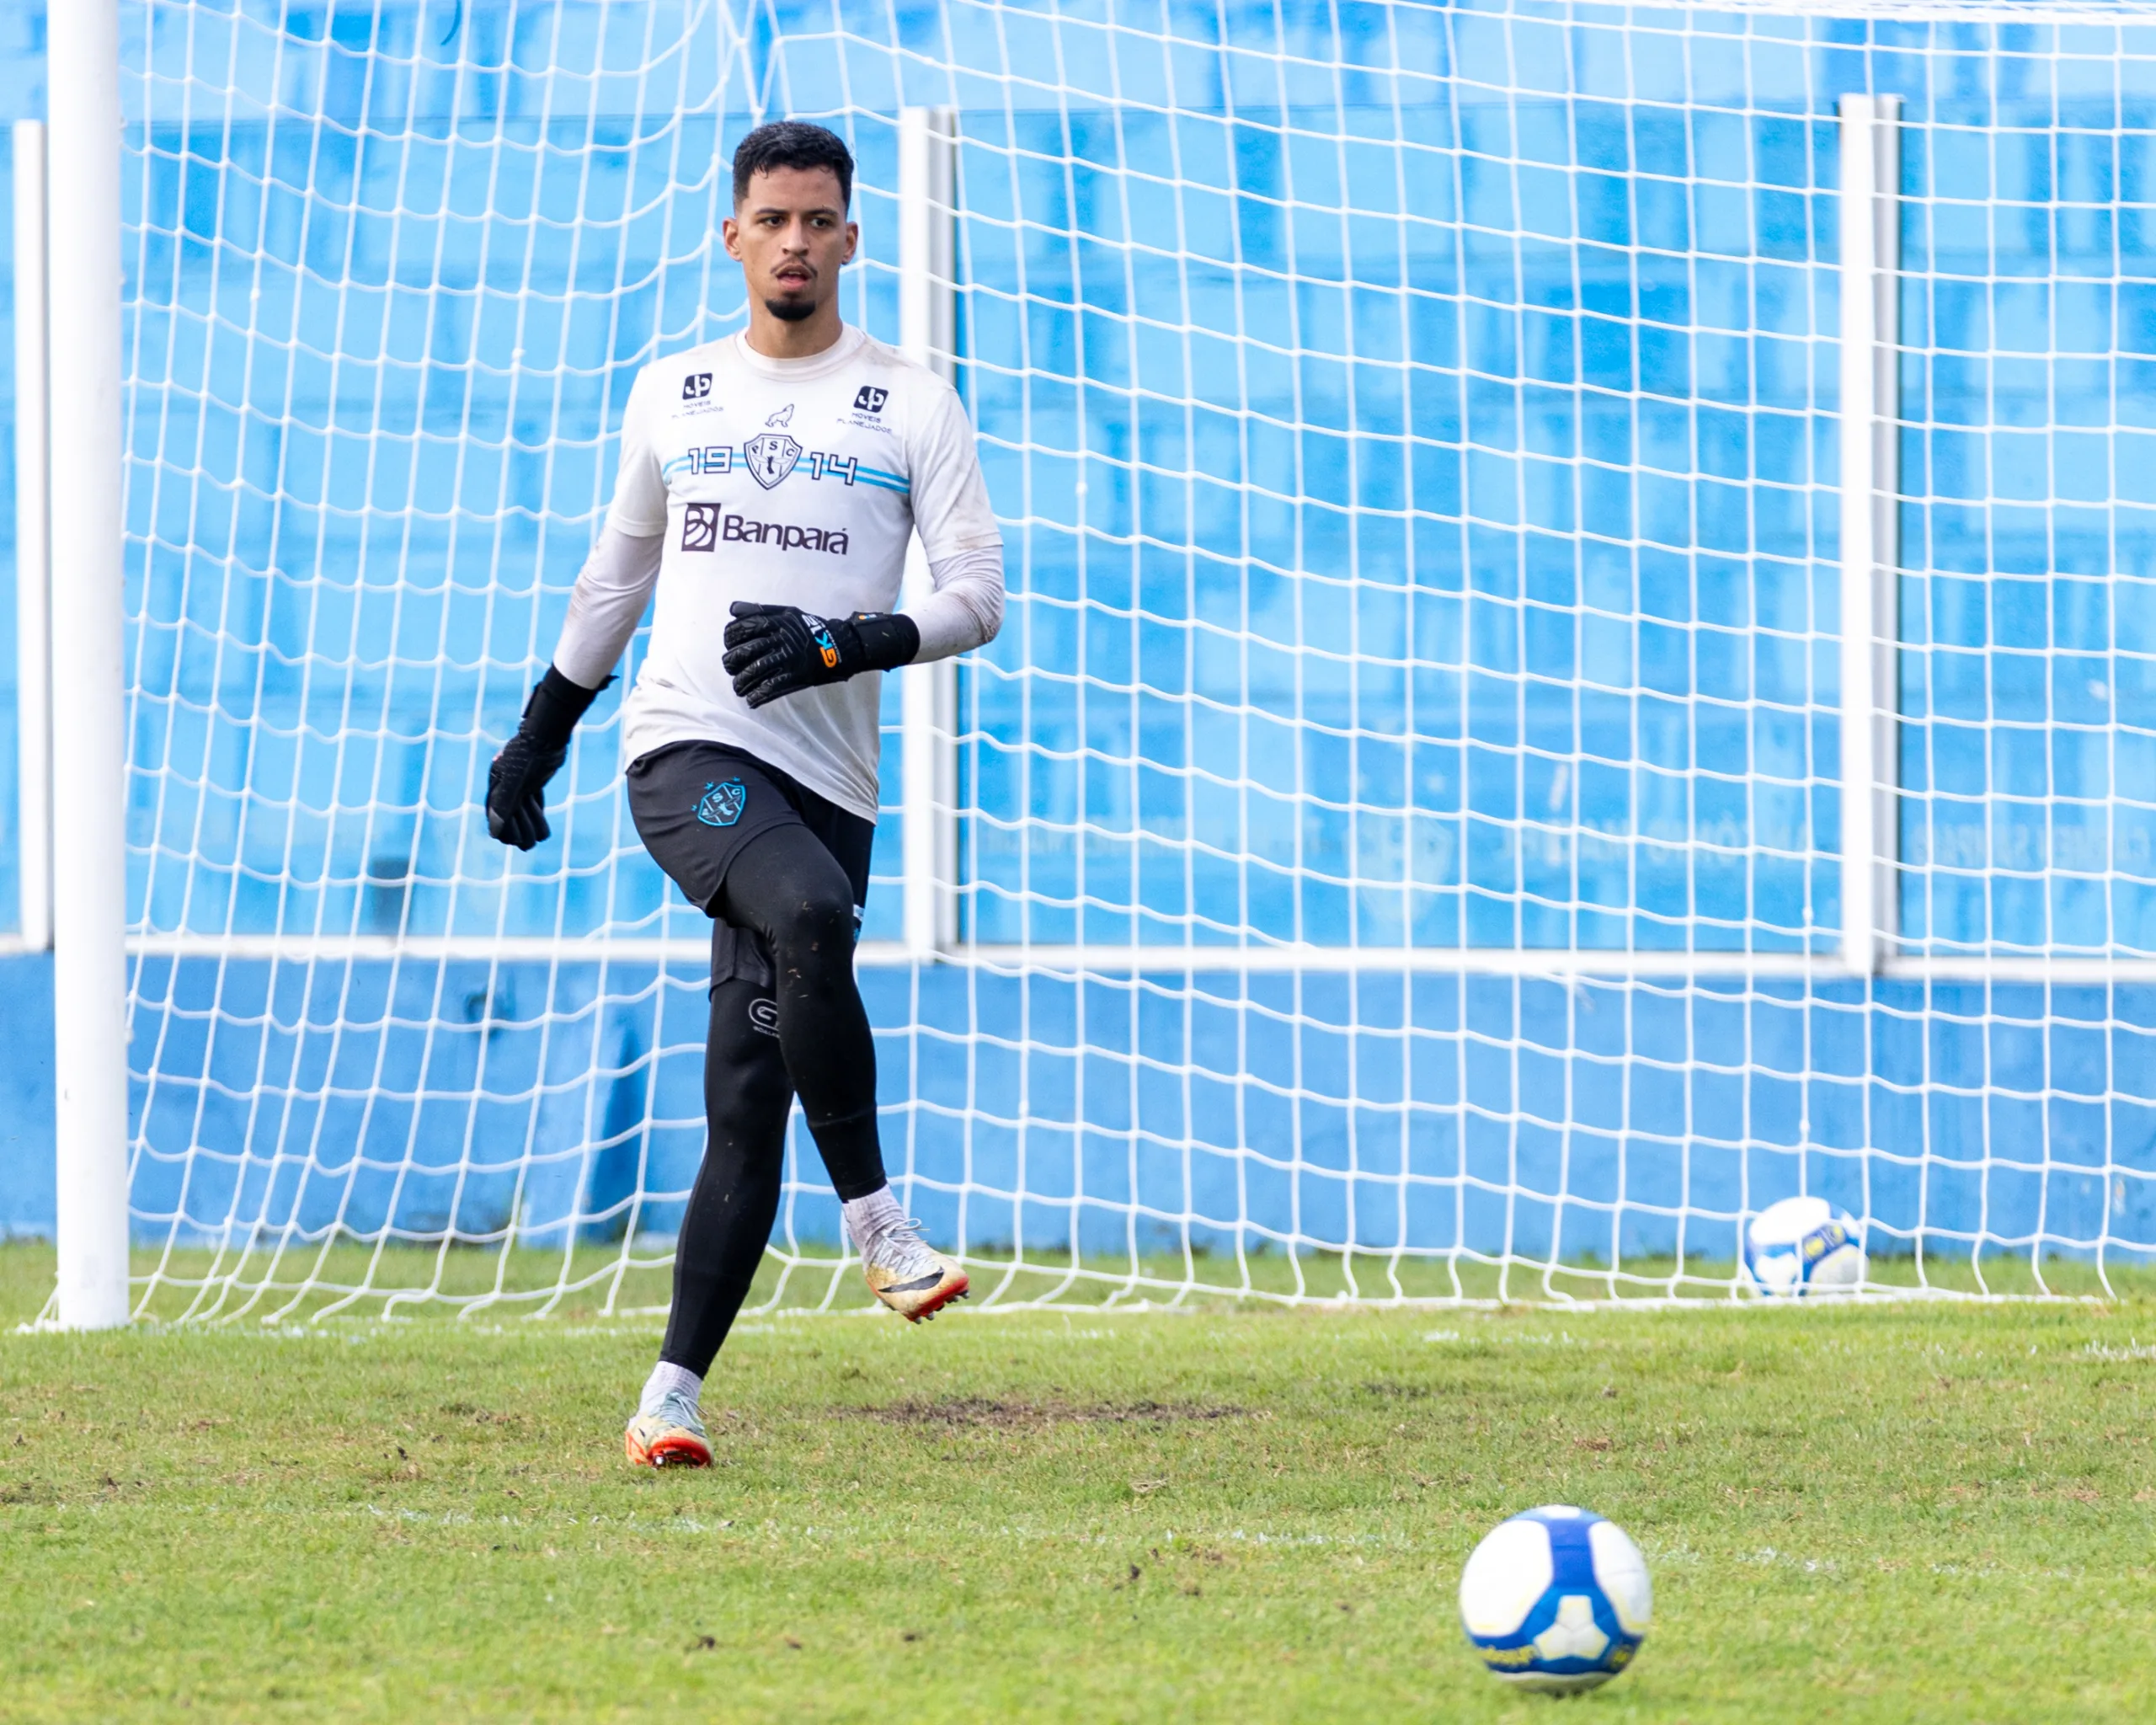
673	1437
909	1276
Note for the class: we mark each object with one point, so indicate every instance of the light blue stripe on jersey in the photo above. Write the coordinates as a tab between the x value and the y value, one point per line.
666	473
867	475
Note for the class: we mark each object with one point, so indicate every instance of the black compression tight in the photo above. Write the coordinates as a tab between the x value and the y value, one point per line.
792	891
735	1199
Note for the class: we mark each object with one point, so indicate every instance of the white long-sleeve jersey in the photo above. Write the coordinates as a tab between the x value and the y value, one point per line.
782	482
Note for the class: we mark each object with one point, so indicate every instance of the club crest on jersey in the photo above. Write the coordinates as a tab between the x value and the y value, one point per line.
721	804
771	456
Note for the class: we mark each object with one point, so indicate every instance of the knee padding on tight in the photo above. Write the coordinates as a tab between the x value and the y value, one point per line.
807	926
791	890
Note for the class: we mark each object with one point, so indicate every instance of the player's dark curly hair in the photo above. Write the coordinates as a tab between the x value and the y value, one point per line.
792	143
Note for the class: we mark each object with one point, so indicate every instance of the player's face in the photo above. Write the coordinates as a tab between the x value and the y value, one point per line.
791	237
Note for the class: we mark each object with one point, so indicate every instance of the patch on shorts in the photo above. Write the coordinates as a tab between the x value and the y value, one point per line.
721	804
763	1015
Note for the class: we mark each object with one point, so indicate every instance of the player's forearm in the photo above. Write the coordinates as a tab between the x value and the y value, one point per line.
516	784
776	650
966	608
606	605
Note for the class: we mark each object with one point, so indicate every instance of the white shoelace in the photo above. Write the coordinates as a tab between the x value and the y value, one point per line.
902	1251
677	1409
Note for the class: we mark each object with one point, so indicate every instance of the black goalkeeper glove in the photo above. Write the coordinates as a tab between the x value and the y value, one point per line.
774	649
516	804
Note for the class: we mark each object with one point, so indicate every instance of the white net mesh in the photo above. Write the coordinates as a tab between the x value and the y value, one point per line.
1397	839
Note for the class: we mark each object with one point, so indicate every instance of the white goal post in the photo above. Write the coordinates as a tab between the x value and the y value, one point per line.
1574	600
89	900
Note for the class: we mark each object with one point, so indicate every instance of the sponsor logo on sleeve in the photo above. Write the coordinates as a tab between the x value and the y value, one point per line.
696	386
721	804
700	527
870	399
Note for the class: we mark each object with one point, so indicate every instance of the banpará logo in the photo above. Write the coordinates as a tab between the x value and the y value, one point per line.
696	386
721	804
700	527
706	526
870	399
739	530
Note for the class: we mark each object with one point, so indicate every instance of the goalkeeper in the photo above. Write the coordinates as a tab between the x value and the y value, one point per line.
769	485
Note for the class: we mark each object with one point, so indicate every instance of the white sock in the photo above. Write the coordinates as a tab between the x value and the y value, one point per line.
669	1379
868	1219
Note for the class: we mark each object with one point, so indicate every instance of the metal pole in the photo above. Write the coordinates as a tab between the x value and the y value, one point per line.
1870	496
33	549
928	695
90	764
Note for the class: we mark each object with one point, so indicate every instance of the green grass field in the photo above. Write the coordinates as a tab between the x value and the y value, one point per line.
1894	1513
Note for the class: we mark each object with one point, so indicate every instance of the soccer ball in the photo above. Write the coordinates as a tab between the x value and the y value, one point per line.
1555	1600
1803	1246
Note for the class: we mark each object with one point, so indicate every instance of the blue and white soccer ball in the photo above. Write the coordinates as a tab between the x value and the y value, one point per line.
1803	1246
1555	1600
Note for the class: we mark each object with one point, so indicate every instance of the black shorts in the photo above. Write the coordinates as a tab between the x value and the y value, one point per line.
697	805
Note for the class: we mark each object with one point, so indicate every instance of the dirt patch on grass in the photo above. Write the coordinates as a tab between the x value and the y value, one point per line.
986	1412
479	1416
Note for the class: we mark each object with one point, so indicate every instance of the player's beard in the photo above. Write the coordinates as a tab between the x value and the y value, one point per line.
790	311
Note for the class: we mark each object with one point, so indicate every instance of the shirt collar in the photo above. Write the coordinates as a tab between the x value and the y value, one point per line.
840	353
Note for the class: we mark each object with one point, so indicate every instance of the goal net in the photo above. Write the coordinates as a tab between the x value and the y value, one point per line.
1577	663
